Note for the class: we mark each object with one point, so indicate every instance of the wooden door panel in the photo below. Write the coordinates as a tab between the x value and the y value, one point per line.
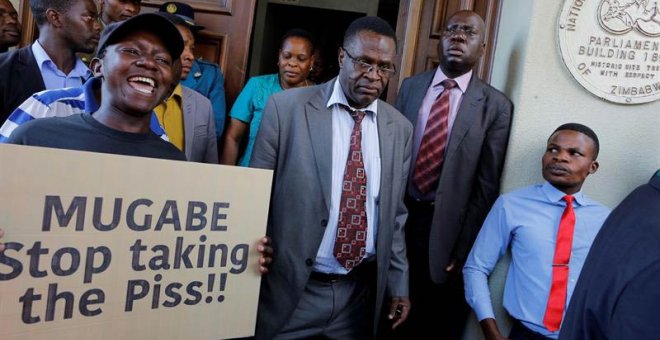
419	28
435	16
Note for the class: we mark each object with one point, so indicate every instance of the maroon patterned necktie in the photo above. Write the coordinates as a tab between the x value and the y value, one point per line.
351	241
431	152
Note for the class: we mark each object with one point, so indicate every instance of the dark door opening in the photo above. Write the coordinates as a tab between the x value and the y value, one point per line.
326	20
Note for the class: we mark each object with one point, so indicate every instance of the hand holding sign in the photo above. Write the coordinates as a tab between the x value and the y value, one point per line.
129	252
264	249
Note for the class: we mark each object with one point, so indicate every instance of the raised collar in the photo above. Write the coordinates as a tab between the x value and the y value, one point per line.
42	57
337	97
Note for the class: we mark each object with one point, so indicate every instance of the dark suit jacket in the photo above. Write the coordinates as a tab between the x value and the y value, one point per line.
295	139
618	293
20	78
470	178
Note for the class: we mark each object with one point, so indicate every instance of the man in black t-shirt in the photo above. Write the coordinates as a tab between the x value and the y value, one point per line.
138	62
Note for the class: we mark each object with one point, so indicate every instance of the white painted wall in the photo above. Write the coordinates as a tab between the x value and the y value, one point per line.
529	69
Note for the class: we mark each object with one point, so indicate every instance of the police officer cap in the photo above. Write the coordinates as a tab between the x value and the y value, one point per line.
183	11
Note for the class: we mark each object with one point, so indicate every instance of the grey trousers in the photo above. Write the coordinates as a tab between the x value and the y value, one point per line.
338	310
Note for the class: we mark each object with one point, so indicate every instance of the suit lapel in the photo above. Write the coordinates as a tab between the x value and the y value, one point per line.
319	124
467	113
29	70
386	142
188	120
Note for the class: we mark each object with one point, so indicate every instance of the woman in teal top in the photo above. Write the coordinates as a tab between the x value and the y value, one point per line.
294	62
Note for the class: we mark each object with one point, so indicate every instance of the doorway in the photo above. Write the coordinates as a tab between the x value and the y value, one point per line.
325	19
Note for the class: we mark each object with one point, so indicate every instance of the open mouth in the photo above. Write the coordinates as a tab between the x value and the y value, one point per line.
144	85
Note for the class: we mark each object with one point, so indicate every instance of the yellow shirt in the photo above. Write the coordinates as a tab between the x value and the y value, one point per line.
170	116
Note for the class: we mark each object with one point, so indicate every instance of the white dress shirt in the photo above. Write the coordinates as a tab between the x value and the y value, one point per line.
342	126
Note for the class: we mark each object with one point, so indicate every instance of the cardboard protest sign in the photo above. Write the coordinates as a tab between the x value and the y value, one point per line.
115	247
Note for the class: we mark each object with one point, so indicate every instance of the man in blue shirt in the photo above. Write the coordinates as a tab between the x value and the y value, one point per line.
527	220
65	28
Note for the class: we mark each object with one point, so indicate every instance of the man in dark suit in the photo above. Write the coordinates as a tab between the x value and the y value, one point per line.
65	27
454	178
341	158
10	27
617	295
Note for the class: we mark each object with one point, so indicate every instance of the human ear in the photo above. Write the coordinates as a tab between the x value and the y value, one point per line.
53	17
96	65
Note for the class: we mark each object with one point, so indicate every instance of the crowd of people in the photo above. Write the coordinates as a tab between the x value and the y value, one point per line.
399	219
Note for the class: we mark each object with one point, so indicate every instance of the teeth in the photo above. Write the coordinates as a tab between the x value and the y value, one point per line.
143	90
145	80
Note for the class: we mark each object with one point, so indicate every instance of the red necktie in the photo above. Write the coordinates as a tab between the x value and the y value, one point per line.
432	148
351	241
557	298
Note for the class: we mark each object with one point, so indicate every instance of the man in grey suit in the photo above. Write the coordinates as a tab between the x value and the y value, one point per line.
199	128
455	179
328	278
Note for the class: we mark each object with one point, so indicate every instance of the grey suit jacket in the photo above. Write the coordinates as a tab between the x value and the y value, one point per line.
295	139
199	128
470	177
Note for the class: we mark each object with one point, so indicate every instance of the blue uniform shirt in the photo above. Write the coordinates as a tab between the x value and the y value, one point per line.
206	78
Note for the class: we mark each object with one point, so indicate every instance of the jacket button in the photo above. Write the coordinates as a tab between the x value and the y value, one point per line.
309	262
324	223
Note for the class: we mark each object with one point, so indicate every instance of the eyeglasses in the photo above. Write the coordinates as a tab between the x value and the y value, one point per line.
362	66
465	30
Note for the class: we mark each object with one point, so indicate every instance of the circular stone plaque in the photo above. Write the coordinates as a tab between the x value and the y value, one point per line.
612	47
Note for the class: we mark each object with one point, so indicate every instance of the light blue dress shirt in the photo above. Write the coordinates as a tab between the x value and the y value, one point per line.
528	220
53	77
342	127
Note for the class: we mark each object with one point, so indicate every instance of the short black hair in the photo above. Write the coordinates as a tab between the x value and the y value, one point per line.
299	33
372	24
583	129
39	8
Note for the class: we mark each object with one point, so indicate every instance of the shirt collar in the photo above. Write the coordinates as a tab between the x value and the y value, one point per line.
42	57
177	94
91	105
338	97
555	195
463	81
40	54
